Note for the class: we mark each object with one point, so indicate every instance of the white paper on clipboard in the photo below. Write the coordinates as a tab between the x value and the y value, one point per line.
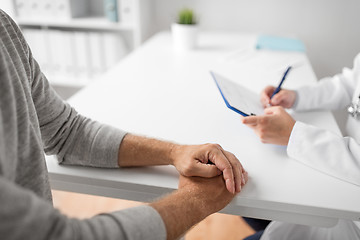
237	97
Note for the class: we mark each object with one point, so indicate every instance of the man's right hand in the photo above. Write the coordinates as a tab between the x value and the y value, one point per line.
285	98
195	199
210	194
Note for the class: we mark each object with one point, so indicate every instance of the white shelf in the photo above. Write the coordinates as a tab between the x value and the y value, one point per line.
132	29
100	23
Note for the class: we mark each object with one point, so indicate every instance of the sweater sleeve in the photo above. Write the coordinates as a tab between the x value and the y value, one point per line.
22	209
329	93
24	212
74	138
326	152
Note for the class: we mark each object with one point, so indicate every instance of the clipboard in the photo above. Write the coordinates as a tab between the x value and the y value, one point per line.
238	98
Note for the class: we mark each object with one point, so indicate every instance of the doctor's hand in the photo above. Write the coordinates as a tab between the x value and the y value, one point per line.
285	98
210	160
274	127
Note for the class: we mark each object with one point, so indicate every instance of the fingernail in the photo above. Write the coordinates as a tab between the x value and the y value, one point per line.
228	185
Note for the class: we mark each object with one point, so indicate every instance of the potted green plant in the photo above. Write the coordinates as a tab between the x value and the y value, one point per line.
184	30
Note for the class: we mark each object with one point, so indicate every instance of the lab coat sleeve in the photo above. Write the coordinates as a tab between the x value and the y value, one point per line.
329	93
326	152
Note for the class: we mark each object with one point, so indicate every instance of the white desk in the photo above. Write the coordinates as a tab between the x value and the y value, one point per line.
172	96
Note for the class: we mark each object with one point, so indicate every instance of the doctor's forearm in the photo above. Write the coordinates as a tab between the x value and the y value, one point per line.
325	151
327	94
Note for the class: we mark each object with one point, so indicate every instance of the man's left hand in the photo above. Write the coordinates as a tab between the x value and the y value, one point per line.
210	160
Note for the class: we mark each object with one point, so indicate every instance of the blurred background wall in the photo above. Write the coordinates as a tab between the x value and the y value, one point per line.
329	28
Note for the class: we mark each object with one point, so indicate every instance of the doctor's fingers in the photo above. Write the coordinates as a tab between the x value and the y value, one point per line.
268	91
285	98
282	98
273	110
278	99
250	120
265	95
259	122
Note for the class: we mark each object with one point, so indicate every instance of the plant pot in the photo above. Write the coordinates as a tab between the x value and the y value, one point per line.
184	36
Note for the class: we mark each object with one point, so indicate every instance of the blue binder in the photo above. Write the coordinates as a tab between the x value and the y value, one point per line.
279	43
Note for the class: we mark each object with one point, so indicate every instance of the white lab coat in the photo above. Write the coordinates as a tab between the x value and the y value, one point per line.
325	151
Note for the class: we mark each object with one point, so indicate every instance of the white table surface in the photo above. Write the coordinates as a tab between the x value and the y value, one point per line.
159	93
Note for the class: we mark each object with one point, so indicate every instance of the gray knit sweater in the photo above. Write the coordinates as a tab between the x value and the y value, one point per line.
34	120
